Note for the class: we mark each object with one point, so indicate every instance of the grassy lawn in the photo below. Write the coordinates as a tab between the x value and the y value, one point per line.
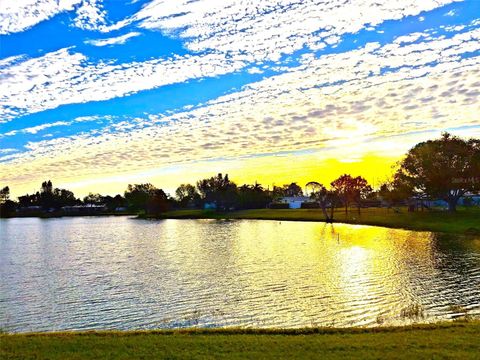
440	341
464	221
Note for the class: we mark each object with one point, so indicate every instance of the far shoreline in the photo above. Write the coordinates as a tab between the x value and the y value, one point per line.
464	222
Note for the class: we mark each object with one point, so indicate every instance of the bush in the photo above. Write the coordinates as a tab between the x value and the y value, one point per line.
310	205
279	206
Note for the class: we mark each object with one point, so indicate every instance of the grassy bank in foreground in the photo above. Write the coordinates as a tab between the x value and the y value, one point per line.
464	221
439	341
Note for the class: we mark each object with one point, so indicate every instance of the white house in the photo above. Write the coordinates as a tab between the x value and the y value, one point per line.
294	202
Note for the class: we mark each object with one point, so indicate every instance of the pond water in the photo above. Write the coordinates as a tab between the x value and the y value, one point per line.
122	273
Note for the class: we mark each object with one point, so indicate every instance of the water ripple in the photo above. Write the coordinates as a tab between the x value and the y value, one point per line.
121	273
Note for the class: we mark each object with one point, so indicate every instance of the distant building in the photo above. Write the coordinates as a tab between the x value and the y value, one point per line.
466	200
210	206
29	210
84	209
294	202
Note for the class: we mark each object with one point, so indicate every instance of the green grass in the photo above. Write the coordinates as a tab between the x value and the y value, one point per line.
461	222
438	341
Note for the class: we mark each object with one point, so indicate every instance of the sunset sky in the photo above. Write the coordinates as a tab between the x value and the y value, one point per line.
98	94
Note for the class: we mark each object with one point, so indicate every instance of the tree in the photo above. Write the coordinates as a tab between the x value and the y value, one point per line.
157	202
138	195
47	187
45	197
292	190
351	189
287	190
186	195
63	197
93	199
113	203
394	191
325	199
4	194
7	206
253	196
445	168
219	190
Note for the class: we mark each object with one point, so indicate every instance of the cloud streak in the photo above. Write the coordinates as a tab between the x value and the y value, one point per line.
119	40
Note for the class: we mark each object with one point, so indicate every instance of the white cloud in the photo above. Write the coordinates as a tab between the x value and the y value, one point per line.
416	83
255	70
267	30
90	15
8	150
20	15
336	101
122	39
36	129
64	77
240	34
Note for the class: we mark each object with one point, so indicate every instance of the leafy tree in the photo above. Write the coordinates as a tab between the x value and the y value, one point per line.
351	189
4	194
48	197
253	196
113	203
45	197
93	199
445	168
47	187
186	195
63	197
395	191
138	195
326	199
219	190
289	190
157	202
292	190
7	206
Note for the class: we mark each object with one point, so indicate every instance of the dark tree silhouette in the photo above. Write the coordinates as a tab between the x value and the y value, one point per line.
7	206
219	190
157	203
253	197
187	195
445	168
351	189
4	194
93	199
138	195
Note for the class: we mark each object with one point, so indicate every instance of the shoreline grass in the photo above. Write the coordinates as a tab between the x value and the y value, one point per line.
463	222
457	339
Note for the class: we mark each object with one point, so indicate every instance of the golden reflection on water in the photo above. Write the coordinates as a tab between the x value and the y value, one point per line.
126	273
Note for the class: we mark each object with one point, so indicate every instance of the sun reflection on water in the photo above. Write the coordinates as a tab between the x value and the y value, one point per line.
124	273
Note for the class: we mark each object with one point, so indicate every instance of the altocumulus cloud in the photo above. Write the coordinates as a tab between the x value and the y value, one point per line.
307	93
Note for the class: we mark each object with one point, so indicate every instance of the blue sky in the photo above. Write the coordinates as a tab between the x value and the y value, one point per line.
95	94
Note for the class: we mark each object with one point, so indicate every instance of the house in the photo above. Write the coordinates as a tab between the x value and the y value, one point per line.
210	206
84	209
29	210
294	202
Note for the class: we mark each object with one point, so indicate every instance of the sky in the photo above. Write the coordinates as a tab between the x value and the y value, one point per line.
95	94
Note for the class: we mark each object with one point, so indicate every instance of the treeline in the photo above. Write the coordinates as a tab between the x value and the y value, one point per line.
217	192
445	169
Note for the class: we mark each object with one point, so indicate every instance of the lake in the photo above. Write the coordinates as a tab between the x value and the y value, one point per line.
122	273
